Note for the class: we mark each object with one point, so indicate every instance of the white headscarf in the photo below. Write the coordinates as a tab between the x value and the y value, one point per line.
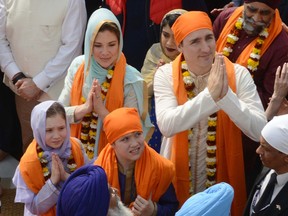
38	124
275	133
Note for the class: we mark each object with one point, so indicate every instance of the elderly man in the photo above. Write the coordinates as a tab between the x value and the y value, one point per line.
203	102
86	192
269	195
252	36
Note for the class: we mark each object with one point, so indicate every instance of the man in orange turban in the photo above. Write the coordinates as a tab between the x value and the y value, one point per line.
143	177
203	103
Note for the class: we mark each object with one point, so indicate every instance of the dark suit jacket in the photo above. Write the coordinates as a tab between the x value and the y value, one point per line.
279	206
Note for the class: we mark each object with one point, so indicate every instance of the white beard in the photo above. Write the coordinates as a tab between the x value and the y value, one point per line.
120	211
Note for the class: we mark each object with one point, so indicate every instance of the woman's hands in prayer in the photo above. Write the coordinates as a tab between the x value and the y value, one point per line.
143	207
94	102
98	104
217	81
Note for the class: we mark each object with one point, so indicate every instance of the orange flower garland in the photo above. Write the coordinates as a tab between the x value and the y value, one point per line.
90	120
211	134
233	37
71	165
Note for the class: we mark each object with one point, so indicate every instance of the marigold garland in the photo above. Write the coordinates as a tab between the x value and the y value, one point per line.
255	55
211	134
90	120
71	164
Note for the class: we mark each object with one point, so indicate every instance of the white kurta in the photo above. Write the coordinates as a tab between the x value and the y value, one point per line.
41	38
243	107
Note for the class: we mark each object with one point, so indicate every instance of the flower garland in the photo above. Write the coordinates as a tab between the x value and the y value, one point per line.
90	120
255	55
71	164
211	135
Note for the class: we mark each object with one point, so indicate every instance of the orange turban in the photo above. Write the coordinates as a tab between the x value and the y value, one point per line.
120	122
190	22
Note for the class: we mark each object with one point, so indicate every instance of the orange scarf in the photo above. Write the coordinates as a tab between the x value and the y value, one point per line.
153	173
114	97
31	170
274	29
229	156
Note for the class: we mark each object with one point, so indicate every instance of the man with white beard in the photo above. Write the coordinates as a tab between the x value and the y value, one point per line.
86	192
252	36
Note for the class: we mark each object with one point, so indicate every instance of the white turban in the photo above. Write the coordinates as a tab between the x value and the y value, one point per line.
275	133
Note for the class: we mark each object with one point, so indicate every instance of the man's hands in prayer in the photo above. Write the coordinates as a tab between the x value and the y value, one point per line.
217	81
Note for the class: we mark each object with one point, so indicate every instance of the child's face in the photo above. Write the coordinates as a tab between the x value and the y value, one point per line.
129	148
56	131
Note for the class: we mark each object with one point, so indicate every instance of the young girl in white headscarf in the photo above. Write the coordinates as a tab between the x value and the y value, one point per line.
48	160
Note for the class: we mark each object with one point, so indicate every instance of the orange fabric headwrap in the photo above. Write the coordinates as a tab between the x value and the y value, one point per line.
190	22
120	122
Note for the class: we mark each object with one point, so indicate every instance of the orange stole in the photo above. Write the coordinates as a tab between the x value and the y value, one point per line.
114	97
274	29
153	173
31	170
229	156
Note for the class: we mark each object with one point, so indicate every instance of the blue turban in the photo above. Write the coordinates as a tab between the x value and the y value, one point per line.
85	193
214	201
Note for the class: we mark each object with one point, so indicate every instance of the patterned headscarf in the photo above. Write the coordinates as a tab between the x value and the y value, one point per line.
85	193
38	124
271	3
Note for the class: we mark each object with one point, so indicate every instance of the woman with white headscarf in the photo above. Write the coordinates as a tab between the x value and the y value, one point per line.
48	160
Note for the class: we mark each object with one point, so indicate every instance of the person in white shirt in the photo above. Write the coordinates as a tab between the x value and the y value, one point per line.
203	104
38	41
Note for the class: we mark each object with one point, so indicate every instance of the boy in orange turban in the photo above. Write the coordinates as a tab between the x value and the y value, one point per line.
203	103
143	177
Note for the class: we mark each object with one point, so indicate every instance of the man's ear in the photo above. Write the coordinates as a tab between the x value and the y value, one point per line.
286	159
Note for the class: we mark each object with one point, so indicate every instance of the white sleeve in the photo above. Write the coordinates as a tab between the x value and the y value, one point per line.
244	108
72	35
6	58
